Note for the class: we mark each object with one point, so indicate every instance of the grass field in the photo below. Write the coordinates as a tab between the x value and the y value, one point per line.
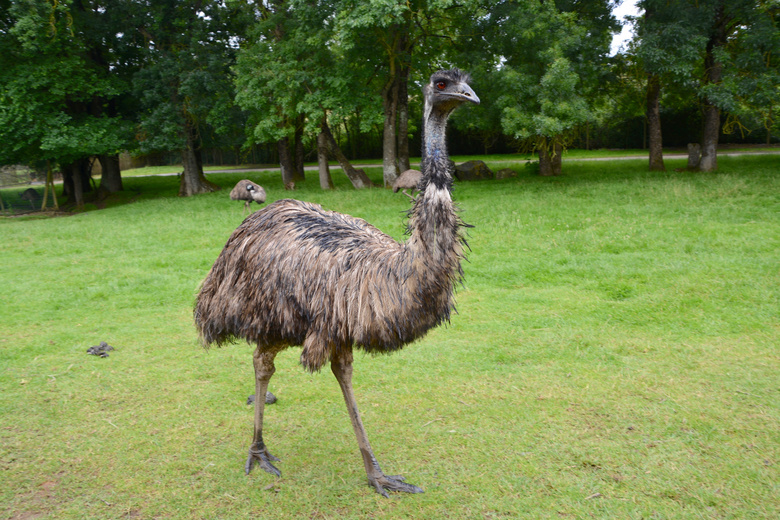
615	355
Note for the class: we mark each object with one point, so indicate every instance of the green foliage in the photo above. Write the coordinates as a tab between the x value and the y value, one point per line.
79	78
672	39
550	87
186	77
312	60
560	106
750	90
614	356
62	83
293	66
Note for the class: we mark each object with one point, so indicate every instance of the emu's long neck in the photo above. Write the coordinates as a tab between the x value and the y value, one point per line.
433	221
435	161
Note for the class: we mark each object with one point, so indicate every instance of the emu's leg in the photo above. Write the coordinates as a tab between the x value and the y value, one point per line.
258	453
341	365
412	198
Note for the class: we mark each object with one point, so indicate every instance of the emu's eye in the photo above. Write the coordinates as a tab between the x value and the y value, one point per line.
441	85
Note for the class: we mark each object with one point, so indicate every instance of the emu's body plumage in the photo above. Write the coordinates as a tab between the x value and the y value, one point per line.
296	274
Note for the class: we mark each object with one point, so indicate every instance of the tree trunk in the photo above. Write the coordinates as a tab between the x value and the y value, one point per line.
709	138
557	158
403	121
545	164
694	156
78	184
50	187
299	174
358	178
193	181
286	163
654	123
713	70
550	158
75	181
326	182
111	176
389	138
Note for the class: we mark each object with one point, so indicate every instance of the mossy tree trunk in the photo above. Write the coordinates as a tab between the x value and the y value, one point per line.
193	181
654	123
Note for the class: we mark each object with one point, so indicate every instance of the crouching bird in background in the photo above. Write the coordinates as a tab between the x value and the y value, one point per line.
408	180
248	191
296	274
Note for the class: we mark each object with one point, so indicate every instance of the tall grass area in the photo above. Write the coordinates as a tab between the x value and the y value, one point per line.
614	355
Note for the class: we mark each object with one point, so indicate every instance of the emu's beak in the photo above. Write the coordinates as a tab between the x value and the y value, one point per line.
468	94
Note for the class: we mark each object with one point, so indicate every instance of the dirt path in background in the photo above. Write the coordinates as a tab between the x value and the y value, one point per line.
518	161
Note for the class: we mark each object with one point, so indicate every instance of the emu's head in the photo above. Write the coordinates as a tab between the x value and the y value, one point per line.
447	90
256	193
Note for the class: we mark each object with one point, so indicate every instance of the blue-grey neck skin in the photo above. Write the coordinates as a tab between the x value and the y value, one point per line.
435	159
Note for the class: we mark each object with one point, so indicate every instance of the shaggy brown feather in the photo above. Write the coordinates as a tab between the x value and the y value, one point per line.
296	274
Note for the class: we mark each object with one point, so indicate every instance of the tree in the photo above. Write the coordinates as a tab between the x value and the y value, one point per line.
267	85
551	86
741	68
64	69
399	38
186	84
722	53
291	79
720	25
667	50
388	23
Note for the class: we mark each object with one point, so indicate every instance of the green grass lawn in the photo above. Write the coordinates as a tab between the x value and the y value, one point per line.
615	355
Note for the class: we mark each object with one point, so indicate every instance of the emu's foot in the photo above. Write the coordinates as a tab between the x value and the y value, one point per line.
261	457
384	483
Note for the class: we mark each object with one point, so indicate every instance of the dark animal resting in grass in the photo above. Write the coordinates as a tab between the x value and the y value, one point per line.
31	195
408	180
101	350
269	398
295	274
248	191
473	171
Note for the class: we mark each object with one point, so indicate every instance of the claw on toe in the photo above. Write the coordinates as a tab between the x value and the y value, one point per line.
385	483
262	459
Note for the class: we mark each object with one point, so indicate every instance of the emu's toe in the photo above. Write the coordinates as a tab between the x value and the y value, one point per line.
385	483
263	459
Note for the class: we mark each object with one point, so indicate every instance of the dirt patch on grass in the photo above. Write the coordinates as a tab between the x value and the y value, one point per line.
38	502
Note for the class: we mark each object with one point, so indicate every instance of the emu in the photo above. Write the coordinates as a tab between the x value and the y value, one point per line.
408	180
248	191
295	274
31	195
